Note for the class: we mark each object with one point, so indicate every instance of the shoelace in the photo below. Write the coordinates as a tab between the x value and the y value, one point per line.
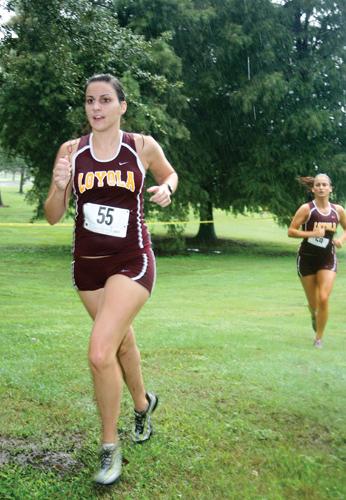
106	458
139	422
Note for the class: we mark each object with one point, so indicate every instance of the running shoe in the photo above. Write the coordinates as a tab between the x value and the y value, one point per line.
110	469
318	343
143	426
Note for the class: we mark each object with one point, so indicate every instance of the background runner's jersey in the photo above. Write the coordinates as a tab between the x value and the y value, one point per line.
310	246
105	186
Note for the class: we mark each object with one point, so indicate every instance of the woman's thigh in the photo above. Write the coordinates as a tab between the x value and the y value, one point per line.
116	307
325	281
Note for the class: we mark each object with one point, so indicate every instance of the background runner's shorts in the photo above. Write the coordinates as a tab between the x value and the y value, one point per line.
310	264
92	274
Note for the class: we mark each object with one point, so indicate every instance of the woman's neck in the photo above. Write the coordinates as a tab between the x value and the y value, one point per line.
322	203
106	142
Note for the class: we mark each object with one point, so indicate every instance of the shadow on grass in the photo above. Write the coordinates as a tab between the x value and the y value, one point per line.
164	246
223	246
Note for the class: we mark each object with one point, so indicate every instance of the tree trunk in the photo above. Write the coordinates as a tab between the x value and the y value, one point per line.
206	232
22	180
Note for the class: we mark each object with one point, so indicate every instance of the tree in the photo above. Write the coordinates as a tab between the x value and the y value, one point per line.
265	83
15	165
49	51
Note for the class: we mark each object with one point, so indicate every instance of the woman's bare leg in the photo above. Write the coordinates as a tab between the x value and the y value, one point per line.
310	288
128	353
317	289
119	303
325	282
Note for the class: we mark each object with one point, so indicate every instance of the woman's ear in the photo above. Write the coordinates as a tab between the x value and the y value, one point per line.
123	107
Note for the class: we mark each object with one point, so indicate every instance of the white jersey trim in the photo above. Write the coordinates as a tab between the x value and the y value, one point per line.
139	163
321	213
92	152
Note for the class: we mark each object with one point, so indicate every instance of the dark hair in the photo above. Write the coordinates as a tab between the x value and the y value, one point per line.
112	80
308	182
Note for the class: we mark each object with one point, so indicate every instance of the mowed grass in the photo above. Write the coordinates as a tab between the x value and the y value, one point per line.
248	409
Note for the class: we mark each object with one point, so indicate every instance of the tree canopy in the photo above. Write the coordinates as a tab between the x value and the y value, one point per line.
49	51
265	83
246	95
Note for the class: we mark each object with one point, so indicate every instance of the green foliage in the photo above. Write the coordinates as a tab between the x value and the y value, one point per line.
265	82
49	52
259	86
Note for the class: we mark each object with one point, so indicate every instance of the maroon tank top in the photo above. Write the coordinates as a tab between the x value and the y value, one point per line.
329	221
109	201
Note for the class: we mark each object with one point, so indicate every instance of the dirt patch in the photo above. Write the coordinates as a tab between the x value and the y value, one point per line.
45	455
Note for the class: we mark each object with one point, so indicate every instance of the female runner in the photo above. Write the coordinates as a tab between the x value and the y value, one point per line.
316	222
114	266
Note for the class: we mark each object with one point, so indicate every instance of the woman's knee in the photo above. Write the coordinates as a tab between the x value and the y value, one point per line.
323	299
100	359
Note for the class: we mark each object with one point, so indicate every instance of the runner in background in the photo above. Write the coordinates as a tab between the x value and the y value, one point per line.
316	222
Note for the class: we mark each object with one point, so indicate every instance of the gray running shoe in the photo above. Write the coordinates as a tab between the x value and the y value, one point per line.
318	343
143	426
110	469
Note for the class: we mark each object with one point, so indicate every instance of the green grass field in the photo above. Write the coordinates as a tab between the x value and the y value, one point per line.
248	408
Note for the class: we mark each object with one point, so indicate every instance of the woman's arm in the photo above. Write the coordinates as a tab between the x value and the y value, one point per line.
298	220
60	189
342	218
154	159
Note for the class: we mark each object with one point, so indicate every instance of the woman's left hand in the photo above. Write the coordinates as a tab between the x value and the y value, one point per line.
161	195
338	243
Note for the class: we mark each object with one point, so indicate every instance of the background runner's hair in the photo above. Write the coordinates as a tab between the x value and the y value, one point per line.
112	80
308	182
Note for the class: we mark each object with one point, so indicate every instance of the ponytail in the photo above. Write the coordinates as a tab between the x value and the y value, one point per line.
307	182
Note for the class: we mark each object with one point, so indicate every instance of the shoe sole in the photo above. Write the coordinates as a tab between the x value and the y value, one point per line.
116	480
155	405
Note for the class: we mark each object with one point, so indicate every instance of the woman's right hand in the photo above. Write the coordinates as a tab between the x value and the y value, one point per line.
319	232
62	172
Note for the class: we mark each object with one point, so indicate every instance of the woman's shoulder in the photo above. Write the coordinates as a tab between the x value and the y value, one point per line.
71	146
306	207
339	208
142	143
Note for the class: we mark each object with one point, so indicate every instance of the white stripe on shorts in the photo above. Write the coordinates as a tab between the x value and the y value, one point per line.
144	268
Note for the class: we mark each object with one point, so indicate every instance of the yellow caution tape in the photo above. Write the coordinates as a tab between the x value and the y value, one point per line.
70	224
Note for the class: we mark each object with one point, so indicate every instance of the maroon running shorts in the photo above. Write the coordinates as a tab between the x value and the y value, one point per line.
310	264
92	274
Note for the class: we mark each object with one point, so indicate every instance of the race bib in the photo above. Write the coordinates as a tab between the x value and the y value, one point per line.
107	220
319	242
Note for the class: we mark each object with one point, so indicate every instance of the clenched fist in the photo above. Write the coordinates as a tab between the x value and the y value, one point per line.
62	172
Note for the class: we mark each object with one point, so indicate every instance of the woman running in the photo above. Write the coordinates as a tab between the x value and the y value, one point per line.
316	222
114	266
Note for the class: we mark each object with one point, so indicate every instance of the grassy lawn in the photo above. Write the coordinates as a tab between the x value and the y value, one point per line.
248	409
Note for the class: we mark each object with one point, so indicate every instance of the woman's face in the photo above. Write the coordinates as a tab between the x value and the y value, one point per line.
102	106
322	186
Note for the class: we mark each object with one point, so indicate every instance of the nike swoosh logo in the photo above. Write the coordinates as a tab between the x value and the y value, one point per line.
123	162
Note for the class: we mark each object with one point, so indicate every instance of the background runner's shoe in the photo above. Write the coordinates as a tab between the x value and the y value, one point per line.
318	343
110	470
143	426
